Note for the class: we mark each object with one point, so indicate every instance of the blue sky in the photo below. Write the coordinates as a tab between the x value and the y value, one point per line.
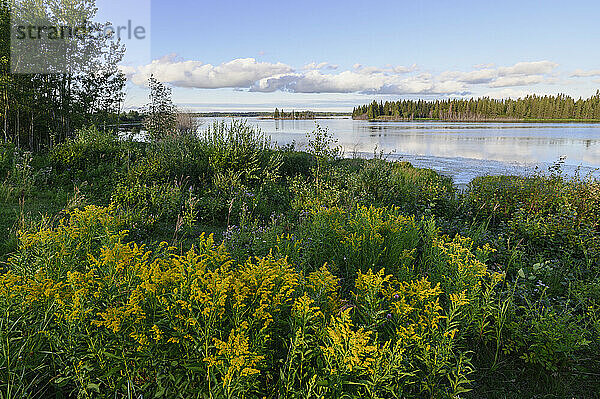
331	55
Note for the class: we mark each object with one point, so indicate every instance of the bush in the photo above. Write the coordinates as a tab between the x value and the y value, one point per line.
294	163
399	184
546	337
361	239
239	154
86	152
147	208
57	251
94	160
179	157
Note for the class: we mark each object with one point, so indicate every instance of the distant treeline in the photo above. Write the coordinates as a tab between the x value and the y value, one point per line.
528	108
230	114
277	114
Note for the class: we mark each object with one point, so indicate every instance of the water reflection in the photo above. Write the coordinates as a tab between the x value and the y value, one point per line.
462	150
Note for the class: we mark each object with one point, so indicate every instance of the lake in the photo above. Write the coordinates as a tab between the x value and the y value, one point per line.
459	150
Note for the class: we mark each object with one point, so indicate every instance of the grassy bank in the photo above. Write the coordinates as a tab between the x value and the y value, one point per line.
222	266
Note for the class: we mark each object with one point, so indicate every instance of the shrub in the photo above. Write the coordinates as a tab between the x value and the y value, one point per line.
399	184
57	251
239	153
294	163
361	239
89	150
178	157
94	160
147	207
546	337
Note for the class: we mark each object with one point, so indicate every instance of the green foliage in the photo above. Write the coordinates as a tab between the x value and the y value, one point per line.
398	183
145	206
56	251
41	110
335	277
546	336
161	113
239	154
88	150
544	218
6	159
123	319
295	163
560	107
350	241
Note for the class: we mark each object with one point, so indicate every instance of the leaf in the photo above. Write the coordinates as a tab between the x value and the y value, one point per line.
93	387
61	381
521	273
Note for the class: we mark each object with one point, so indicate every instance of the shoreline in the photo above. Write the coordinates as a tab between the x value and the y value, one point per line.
480	120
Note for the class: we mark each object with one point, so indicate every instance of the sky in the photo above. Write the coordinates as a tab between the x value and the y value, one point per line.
332	55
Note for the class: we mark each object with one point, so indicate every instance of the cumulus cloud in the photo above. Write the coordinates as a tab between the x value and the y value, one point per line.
528	68
474	77
511	81
356	82
580	73
321	77
127	70
241	72
388	69
320	65
520	74
314	65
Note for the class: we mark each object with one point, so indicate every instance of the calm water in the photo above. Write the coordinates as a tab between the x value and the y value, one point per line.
459	150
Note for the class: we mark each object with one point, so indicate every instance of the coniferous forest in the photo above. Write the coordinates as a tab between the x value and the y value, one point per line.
559	107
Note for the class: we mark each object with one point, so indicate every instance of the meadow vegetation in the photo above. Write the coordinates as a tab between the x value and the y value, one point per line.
221	265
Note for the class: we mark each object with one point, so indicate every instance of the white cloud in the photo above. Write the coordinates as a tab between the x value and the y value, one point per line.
128	70
241	72
248	74
356	82
388	69
474	77
314	65
528	68
580	73
508	93
520	74
508	81
320	65
484	66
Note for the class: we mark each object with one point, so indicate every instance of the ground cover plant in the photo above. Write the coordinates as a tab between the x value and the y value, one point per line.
221	265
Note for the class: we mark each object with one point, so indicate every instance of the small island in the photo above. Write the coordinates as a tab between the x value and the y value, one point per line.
293	115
